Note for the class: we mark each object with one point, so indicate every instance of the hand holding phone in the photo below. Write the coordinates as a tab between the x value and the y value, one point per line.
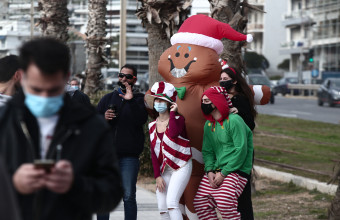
44	164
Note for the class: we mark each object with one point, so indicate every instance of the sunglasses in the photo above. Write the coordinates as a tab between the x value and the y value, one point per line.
127	76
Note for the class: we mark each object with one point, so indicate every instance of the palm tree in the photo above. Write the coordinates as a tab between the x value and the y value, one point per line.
95	44
234	13
54	18
161	20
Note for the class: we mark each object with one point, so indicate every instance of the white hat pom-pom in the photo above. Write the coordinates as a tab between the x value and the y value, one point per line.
249	38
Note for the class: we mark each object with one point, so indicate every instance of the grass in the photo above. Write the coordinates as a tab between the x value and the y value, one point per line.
299	143
288	201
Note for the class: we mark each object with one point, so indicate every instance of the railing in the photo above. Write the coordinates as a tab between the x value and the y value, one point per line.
310	88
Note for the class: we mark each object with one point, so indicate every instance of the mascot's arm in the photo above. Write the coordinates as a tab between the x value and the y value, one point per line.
208	153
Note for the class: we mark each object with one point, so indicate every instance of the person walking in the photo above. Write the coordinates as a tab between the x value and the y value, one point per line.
227	153
170	150
59	155
125	111
73	89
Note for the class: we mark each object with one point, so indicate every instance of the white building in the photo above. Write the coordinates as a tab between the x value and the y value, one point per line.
15	25
326	37
313	37
273	34
255	25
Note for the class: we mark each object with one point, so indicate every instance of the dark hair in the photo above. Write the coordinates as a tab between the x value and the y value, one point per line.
75	79
48	54
131	67
242	88
8	66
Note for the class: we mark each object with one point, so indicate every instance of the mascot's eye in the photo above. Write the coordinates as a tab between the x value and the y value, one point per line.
186	55
177	54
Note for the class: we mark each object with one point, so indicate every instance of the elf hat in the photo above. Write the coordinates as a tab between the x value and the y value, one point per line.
161	90
205	31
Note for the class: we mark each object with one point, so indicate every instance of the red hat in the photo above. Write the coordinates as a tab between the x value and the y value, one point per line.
161	90
205	31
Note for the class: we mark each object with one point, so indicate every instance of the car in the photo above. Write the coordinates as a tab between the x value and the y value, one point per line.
282	85
329	92
257	79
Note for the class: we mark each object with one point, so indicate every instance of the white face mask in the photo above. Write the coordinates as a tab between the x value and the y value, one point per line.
160	107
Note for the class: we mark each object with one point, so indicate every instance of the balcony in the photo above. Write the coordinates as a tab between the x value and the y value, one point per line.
255	28
296	18
295	46
257	2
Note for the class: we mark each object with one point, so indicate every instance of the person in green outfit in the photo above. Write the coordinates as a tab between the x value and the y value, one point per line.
227	153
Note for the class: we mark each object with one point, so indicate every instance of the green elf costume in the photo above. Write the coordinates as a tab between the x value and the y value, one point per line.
227	153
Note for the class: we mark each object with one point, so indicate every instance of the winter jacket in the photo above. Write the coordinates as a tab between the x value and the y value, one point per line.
243	106
127	127
228	142
86	142
79	96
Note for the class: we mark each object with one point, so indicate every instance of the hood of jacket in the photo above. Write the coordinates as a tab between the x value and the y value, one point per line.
220	102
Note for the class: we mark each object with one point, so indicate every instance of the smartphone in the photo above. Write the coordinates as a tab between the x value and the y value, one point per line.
113	108
44	164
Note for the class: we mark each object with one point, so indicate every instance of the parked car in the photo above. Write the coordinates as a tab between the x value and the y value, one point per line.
282	85
329	92
257	79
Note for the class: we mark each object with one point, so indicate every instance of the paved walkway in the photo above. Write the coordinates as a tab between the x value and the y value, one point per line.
147	207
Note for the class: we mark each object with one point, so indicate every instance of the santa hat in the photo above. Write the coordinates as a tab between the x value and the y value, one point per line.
224	64
161	90
205	31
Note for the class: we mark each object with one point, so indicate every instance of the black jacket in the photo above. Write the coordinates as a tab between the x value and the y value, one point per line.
79	96
244	110
8	204
127	127
86	142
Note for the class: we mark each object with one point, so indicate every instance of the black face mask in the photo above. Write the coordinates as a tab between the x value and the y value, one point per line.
227	84
207	108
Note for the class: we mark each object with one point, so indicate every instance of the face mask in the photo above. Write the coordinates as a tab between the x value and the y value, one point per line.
43	106
227	84
160	107
75	87
207	108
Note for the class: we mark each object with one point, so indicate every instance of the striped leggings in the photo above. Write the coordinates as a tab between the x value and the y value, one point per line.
224	198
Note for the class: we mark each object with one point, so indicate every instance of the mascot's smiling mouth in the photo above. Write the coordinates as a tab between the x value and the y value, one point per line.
178	73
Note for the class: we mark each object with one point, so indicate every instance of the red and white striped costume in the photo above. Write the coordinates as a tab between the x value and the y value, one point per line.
174	152
223	91
224	198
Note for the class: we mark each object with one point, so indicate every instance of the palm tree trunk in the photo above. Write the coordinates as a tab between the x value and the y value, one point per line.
95	45
157	44
54	19
231	12
334	209
161	19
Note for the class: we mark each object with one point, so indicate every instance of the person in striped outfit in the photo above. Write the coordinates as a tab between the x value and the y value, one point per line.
227	153
170	150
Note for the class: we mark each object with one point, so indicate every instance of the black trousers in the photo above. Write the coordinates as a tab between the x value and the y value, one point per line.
245	206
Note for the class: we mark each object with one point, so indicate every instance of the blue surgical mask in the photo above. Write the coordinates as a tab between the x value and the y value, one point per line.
160	107
75	87
43	106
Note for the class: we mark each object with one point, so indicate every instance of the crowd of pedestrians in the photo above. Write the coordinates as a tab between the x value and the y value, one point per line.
62	158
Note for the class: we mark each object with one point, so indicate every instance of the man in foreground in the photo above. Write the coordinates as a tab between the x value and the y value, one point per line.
60	155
